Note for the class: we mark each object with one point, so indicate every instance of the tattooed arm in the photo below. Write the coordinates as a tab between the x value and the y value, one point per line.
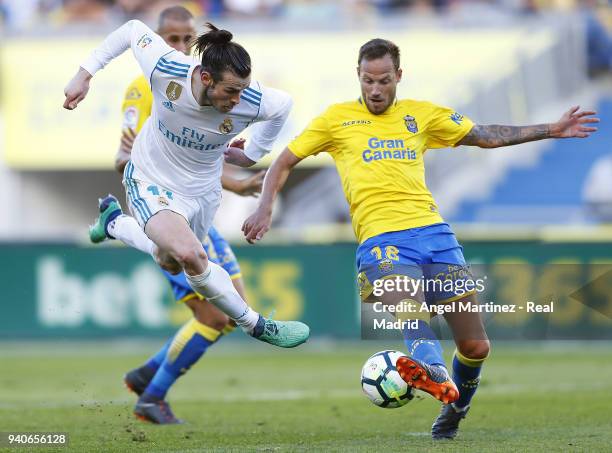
573	123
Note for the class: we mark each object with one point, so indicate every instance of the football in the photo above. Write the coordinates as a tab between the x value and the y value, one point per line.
381	382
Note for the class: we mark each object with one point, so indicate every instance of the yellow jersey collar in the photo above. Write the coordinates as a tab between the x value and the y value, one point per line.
360	100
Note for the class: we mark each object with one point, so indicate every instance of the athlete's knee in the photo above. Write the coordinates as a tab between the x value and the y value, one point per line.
474	349
167	263
172	267
190	256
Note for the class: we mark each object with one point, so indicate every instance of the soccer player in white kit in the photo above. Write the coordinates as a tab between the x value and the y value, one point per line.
173	179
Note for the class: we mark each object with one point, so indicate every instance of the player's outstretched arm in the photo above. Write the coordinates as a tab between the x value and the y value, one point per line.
258	223
146	45
573	123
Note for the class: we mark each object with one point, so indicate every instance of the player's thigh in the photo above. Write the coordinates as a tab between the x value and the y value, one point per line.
453	287
171	232
177	242
207	314
164	215
389	274
384	263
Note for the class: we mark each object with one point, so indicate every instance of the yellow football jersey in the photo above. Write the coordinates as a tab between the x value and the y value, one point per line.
380	159
137	104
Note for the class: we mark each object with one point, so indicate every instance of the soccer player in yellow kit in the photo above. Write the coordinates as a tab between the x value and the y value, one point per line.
378	143
152	380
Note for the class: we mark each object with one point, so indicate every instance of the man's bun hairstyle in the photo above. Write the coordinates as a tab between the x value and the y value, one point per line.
219	53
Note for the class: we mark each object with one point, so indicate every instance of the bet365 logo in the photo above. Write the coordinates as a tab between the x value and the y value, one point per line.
108	299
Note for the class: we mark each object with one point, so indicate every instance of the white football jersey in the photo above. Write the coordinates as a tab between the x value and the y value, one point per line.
180	147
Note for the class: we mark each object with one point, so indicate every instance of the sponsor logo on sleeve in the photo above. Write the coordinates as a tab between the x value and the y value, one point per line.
457	118
130	118
144	41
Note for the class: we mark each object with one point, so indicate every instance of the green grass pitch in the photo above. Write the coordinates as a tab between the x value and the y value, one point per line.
247	397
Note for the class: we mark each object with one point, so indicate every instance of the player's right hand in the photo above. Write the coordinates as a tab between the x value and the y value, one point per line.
256	225
77	89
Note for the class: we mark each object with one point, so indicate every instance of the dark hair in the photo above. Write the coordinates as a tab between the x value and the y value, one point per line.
219	53
179	13
378	48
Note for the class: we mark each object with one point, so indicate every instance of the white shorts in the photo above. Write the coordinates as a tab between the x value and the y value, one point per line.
145	199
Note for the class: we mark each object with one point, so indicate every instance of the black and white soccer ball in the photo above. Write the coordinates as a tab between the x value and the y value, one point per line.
381	382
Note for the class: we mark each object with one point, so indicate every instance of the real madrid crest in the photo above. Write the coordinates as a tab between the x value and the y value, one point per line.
226	126
173	91
411	124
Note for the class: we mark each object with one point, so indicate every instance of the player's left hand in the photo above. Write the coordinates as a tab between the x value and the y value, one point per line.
257	225
574	123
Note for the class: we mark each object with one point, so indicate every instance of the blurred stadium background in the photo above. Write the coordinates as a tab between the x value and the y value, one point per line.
504	61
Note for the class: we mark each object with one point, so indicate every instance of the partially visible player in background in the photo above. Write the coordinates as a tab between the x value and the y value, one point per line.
152	380
378	143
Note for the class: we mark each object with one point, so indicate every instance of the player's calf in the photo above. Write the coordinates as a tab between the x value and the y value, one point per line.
207	314
467	365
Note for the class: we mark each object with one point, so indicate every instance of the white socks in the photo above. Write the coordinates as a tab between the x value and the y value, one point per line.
216	285
127	230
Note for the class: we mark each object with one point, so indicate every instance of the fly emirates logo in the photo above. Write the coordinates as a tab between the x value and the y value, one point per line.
393	149
188	138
